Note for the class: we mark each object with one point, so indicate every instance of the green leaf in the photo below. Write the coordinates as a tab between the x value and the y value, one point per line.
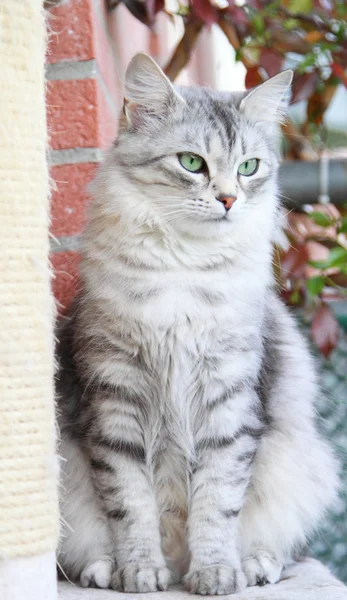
258	24
343	226
183	10
337	257
290	24
341	9
318	264
300	6
340	33
334	81
330	46
315	285
271	9
294	297
321	219
238	54
309	61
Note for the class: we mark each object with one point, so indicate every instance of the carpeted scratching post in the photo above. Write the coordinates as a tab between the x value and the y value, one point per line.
28	473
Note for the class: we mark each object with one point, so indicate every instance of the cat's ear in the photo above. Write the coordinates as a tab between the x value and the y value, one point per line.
147	89
269	101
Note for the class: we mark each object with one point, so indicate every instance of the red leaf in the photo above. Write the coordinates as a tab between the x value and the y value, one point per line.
339	72
271	60
294	262
325	329
206	11
252	78
238	14
304	86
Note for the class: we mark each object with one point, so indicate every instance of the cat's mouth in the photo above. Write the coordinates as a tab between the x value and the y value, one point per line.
219	218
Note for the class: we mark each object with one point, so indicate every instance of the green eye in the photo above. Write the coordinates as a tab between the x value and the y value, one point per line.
249	167
192	162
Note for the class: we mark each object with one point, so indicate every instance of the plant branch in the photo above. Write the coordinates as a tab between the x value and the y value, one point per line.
338	280
300	146
230	32
312	19
182	53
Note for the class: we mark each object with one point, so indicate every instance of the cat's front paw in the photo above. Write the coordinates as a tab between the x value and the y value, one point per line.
215	580
262	567
97	574
136	577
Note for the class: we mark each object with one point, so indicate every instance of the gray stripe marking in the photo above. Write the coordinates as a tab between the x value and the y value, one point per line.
72	156
64	243
71	69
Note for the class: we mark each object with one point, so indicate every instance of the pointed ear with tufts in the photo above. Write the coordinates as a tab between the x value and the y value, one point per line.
147	90
269	101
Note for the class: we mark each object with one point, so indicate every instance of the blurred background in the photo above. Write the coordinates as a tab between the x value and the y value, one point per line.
225	45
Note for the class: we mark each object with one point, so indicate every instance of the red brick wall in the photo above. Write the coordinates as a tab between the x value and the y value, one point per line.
82	108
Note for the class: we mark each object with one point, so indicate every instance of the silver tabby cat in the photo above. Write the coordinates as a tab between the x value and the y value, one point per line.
186	393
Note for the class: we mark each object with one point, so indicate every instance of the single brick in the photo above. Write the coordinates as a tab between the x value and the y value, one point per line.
79	115
71	26
72	113
70	197
66	278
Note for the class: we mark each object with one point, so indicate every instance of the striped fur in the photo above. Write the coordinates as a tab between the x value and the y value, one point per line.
186	394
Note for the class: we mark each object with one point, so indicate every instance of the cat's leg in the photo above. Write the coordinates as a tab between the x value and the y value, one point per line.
218	488
85	548
294	478
121	476
131	508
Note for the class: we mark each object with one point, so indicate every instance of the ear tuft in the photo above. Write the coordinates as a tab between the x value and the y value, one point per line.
269	101
147	87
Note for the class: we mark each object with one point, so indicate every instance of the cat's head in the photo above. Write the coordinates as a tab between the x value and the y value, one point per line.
199	160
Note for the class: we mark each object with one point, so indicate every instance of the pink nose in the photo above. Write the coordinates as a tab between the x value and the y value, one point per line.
228	201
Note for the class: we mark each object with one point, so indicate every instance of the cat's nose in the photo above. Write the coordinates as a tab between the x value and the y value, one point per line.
227	200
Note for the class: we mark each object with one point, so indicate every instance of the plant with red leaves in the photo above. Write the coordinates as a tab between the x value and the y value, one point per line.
312	273
263	34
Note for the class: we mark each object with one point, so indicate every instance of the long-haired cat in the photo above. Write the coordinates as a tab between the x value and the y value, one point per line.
186	392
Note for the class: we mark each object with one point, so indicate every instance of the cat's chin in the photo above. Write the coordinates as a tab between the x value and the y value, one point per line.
203	229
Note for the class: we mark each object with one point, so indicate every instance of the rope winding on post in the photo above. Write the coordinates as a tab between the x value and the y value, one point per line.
28	471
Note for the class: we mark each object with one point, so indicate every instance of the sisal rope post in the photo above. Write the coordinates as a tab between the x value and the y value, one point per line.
28	472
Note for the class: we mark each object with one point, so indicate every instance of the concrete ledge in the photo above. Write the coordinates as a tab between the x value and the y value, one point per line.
306	580
28	577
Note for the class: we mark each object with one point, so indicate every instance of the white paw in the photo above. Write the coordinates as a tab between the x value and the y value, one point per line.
261	568
215	580
136	577
97	574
